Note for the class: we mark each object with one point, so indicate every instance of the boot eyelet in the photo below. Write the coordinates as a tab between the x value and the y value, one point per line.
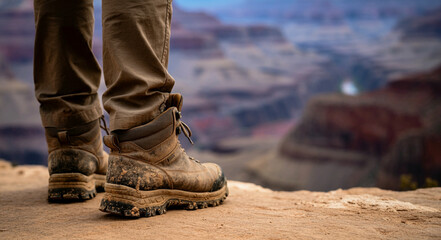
178	115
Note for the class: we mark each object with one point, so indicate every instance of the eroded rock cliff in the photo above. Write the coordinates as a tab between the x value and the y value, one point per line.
368	140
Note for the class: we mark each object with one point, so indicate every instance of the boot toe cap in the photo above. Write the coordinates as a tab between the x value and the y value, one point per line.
220	179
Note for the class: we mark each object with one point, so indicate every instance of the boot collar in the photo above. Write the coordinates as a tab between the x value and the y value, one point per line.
168	121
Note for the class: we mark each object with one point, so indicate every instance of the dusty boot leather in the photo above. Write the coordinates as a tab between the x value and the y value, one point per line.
149	171
77	163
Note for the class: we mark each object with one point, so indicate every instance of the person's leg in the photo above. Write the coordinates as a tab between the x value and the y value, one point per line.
67	76
66	73
148	169
136	37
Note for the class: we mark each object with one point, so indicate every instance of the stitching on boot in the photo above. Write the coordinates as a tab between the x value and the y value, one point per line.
139	148
148	152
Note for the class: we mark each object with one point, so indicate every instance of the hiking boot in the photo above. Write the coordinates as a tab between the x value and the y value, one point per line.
149	171
77	163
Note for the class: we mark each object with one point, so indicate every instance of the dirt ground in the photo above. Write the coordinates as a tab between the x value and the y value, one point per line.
250	212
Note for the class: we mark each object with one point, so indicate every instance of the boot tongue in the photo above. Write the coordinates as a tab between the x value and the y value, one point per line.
175	100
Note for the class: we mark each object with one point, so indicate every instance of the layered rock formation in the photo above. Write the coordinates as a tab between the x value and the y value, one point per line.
414	45
21	135
367	140
331	11
426	25
17	30
236	78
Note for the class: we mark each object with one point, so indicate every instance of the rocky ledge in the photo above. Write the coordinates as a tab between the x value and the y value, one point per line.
250	212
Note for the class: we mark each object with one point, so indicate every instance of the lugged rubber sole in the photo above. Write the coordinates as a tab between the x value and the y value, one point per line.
74	186
129	202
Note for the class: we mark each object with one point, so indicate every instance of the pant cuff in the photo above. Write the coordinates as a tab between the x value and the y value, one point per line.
66	120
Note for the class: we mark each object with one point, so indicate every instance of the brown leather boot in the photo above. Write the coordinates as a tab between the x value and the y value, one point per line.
149	171
77	163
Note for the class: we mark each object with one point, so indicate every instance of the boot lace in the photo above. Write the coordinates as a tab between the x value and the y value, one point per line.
185	129
103	125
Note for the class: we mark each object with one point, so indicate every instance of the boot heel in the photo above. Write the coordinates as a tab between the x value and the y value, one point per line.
71	187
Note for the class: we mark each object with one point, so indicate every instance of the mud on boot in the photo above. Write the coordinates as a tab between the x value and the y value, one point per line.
149	172
76	162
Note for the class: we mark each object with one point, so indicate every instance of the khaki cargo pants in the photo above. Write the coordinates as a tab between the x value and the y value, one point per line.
136	37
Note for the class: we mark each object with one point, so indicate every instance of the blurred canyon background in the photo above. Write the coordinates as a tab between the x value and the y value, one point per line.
288	94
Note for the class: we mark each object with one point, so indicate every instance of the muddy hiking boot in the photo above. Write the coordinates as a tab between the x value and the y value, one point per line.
77	163
149	171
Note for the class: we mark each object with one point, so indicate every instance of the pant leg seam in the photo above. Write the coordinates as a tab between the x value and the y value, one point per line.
166	34
166	43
